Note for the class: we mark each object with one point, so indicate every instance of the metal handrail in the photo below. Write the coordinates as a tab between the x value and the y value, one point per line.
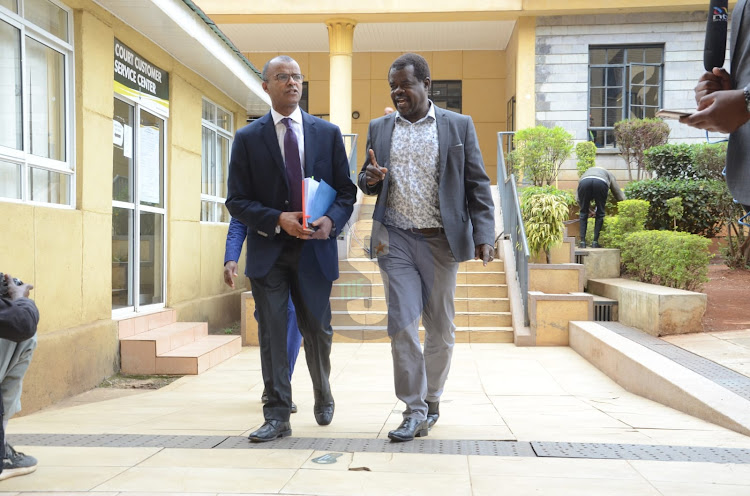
350	143
512	220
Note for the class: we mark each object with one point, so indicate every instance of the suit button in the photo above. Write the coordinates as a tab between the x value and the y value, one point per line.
286	202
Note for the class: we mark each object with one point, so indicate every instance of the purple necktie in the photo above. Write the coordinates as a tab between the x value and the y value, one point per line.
293	166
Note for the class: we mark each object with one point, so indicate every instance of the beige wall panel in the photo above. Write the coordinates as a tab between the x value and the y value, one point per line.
58	261
380	62
302	58
218	311
320	67
447	65
69	362
97	252
361	101
94	171
484	99
184	186
213	241
487	134
380	96
17	258
361	65
185	117
94	63
318	97
183	262
258	59
479	64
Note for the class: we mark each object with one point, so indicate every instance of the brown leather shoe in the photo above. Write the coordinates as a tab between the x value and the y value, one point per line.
270	430
433	413
408	430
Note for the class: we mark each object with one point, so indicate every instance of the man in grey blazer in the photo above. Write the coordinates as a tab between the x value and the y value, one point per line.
434	210
724	105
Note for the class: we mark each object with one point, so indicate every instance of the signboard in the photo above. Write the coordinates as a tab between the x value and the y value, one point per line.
140	80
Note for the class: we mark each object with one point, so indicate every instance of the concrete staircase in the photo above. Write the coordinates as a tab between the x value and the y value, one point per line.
157	344
358	305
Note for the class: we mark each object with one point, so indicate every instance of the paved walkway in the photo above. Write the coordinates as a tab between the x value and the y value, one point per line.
513	421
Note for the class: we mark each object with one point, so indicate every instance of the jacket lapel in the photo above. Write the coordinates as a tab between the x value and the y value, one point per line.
383	146
272	142
310	131
443	138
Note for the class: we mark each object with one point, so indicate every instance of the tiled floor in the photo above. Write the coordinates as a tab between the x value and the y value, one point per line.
494	392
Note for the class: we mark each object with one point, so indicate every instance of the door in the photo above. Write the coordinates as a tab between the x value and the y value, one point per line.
138	209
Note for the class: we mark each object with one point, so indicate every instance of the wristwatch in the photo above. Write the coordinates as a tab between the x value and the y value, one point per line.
746	92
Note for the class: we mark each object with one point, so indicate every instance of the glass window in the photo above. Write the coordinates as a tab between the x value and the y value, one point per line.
446	94
35	111
215	148
47	16
624	83
11	111
10	5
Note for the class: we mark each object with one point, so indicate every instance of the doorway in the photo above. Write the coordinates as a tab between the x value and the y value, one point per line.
138	209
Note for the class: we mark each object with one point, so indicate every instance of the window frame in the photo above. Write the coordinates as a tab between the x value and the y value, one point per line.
229	136
627	104
448	83
24	158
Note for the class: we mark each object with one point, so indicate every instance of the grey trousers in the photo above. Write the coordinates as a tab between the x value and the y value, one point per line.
14	362
419	274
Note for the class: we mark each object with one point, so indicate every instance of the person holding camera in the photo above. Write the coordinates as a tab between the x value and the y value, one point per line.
18	320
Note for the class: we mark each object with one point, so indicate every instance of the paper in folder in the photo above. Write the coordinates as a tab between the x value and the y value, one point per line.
317	198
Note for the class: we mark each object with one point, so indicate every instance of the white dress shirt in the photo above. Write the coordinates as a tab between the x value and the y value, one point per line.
296	125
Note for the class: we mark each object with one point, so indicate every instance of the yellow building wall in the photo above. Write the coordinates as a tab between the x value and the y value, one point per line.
66	253
483	73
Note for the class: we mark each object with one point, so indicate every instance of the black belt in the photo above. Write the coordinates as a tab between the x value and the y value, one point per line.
427	231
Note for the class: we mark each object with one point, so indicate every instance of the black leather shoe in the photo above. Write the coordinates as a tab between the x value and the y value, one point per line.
409	429
264	397
433	413
595	245
324	412
582	244
294	407
270	430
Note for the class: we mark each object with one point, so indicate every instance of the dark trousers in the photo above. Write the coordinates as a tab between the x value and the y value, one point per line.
311	293
592	189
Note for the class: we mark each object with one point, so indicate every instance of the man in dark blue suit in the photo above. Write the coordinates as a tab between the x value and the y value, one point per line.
236	235
269	158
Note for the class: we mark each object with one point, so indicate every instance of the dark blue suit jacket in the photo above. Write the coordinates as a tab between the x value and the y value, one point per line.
259	193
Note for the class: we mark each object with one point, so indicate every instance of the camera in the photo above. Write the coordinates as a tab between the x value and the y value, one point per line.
4	285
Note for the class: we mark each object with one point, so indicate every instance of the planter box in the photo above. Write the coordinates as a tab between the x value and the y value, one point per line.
657	310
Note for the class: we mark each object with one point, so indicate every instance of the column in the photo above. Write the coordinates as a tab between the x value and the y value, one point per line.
340	38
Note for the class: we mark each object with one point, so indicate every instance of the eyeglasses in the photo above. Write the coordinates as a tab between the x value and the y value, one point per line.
283	77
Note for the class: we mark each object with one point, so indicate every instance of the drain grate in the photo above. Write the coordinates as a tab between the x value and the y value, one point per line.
418	446
723	376
641	452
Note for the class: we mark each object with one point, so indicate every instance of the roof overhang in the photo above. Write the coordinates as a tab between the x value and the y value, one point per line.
185	35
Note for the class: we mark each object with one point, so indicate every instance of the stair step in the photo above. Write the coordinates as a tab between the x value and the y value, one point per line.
344	304
199	356
462	319
142	323
167	338
371	276
343	334
360	290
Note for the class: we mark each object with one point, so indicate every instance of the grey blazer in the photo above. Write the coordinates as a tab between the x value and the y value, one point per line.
466	205
738	152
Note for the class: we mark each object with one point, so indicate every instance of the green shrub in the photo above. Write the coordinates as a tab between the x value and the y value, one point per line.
543	217
701	199
684	161
586	153
565	196
635	136
675	210
674	259
539	152
631	218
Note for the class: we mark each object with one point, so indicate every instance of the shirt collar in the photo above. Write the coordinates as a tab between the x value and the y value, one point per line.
430	113
296	116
